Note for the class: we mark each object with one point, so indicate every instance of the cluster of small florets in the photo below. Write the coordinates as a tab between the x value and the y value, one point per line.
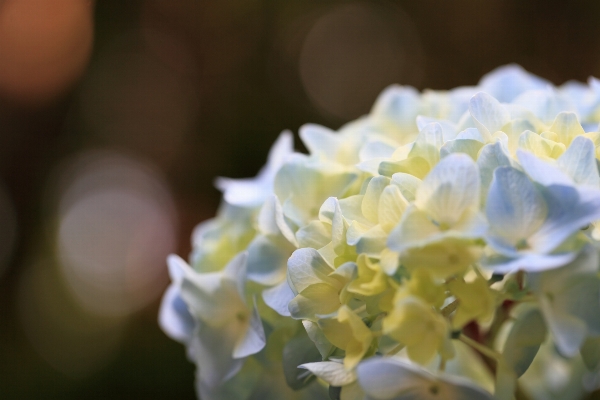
444	246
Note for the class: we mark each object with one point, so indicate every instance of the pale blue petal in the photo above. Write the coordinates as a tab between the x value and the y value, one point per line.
545	104
376	149
448	128
386	378
579	162
278	298
267	259
529	262
491	157
508	81
174	317
542	172
459	98
569	210
515	209
398	105
471	133
394	379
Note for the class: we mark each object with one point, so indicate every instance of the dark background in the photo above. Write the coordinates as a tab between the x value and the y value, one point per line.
174	93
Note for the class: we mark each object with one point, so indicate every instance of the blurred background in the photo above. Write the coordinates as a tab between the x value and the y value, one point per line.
116	116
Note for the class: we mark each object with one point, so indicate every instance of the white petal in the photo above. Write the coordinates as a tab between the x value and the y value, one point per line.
450	189
236	271
267	222
177	267
391	207
254	338
414	230
489	115
566	126
213	349
370	203
251	192
319	141
306	267
318	338
331	372
407	184
467	146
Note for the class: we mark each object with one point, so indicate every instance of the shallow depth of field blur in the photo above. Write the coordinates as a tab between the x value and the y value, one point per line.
116	116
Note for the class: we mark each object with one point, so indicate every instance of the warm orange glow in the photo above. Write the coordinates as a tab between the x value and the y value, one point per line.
44	47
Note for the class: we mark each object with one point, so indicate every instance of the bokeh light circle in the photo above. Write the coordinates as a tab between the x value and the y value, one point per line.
116	225
352	52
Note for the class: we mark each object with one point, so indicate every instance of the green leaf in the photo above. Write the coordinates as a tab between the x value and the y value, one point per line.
524	339
299	350
590	352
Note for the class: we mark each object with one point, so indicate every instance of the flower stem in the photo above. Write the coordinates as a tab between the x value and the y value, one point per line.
449	309
486	351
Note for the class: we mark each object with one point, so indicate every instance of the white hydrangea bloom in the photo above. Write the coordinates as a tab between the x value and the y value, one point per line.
441	225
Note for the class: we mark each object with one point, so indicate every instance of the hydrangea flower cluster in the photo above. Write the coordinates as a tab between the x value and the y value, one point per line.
445	246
